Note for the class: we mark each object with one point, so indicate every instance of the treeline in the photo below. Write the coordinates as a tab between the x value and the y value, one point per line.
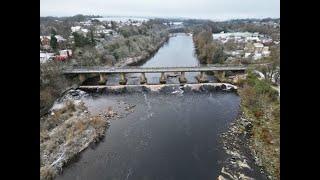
52	84
132	41
238	25
75	18
62	25
269	30
63	28
207	50
89	52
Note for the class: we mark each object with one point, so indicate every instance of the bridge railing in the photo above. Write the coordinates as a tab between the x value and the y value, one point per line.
139	67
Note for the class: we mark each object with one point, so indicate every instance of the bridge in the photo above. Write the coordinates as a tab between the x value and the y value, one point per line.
104	71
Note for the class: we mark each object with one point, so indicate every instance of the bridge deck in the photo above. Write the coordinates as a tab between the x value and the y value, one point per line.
87	70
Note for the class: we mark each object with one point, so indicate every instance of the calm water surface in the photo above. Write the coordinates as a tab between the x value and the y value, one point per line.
168	136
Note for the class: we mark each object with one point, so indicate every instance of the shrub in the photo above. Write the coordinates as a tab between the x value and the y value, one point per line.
47	173
97	122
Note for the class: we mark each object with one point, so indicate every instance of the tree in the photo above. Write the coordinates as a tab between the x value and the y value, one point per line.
93	43
218	55
271	71
53	42
80	40
113	25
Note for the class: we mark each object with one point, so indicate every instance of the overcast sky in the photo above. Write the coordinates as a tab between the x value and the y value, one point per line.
204	9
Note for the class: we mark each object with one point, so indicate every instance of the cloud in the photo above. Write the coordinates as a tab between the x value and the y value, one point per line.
208	9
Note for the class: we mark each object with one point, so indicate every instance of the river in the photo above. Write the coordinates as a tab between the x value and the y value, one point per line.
172	135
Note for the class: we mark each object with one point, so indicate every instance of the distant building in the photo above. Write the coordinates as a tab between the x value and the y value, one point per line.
267	41
247	55
265	52
249	39
66	52
75	28
257	56
84	31
86	23
60	38
44	57
258	47
63	55
45	40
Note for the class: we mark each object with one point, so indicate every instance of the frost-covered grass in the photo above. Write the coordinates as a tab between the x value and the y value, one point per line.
64	133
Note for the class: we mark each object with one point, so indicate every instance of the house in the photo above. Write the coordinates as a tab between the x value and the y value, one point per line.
59	38
258	47
257	56
247	55
252	38
265	51
44	56
75	28
84	31
86	23
45	40
267	41
66	52
102	30
255	34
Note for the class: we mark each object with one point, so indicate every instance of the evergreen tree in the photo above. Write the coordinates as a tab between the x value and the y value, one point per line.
53	42
93	43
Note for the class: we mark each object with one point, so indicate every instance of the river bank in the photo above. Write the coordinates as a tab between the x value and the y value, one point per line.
69	128
130	61
254	137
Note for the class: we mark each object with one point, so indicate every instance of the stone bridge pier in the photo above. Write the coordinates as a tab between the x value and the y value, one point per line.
202	78
182	78
103	79
123	79
163	78
82	78
220	75
143	79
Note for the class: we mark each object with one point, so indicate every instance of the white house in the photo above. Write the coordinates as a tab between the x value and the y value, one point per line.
75	28
267	41
265	51
253	39
258	47
65	52
86	23
44	56
247	54
59	38
257	56
85	30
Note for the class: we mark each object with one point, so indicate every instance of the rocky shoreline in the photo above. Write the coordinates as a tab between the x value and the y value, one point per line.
241	162
68	129
251	147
